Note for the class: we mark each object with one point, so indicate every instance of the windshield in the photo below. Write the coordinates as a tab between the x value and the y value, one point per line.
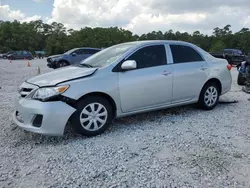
108	56
70	51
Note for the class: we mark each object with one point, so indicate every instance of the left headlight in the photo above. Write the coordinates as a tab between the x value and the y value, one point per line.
48	92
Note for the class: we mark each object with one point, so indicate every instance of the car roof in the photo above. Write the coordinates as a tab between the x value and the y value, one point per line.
88	48
159	41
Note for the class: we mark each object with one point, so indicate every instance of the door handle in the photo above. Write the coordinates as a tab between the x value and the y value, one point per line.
203	68
166	73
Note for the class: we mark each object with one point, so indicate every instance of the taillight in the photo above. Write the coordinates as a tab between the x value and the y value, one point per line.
229	67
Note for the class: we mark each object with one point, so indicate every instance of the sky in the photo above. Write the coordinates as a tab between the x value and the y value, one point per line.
138	16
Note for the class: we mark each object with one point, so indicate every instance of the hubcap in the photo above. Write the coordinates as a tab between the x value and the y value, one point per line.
93	116
211	96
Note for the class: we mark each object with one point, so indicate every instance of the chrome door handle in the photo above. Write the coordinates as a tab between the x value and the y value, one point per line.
166	73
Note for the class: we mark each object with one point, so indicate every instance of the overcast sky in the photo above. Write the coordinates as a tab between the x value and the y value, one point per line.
139	16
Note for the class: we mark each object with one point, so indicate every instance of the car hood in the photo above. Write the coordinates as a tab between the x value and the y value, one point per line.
55	56
61	75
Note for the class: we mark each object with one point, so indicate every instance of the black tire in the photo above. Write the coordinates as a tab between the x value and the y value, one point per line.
62	64
84	103
240	79
29	58
202	104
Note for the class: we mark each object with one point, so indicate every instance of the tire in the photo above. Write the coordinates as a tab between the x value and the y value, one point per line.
92	124
29	58
212	89
240	79
62	64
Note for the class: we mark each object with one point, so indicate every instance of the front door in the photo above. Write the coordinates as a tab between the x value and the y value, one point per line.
190	72
150	84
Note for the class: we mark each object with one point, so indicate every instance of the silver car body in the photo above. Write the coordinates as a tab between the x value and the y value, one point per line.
131	92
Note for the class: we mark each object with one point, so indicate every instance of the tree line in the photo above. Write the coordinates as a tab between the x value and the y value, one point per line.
55	38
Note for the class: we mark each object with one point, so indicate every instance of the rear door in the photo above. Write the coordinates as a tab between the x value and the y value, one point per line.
190	72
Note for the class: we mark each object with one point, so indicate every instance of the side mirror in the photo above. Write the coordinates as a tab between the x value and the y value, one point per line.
73	54
128	65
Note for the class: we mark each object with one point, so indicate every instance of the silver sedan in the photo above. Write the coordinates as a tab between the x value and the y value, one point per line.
121	80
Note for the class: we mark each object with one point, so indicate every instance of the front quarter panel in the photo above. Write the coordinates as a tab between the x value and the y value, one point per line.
103	81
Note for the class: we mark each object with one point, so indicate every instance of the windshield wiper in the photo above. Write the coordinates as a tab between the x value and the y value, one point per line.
85	65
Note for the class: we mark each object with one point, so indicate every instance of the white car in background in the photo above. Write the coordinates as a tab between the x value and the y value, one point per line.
118	81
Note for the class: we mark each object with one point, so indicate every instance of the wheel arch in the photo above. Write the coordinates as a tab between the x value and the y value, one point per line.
103	95
213	80
63	60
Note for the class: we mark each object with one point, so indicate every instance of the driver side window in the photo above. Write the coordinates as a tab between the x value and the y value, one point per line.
150	56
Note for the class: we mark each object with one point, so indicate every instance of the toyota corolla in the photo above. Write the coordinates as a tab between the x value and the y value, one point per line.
121	80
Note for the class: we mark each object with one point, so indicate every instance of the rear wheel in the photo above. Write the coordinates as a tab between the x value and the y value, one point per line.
209	96
240	79
93	116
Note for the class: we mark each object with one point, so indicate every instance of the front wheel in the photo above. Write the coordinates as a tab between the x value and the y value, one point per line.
62	64
209	96
93	116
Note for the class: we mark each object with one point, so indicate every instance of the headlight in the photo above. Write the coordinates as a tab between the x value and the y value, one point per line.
54	59
48	92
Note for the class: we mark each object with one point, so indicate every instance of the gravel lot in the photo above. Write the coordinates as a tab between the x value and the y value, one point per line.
181	147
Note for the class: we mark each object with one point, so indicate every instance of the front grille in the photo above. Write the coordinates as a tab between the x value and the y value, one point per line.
26	89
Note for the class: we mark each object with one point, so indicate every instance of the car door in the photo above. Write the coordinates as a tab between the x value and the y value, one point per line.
84	54
76	56
150	84
25	55
190	72
89	52
18	55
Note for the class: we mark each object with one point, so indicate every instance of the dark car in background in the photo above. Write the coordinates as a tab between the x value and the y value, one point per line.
5	55
71	57
20	55
233	56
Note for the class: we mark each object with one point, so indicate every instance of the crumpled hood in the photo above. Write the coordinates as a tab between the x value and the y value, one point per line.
55	56
61	75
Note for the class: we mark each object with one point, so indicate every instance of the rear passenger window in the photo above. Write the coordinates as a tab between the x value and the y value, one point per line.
150	56
184	54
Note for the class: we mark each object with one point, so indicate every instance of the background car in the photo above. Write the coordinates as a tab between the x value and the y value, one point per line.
71	57
20	55
233	56
5	55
